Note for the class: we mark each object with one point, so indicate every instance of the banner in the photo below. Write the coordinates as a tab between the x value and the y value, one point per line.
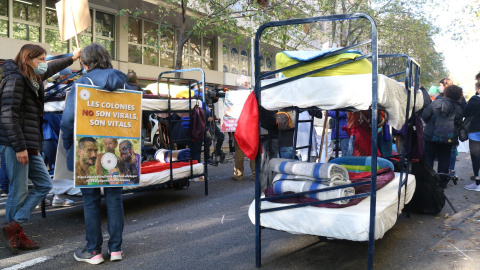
232	108
73	17
107	137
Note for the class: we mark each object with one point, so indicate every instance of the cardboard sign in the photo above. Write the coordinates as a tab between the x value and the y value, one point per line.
232	108
73	17
107	137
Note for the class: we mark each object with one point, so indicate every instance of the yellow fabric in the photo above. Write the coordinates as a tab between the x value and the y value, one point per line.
358	67
184	94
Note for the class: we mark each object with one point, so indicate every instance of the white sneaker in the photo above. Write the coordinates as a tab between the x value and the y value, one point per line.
115	256
57	202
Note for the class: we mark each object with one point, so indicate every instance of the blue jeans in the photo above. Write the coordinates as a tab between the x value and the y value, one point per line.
93	218
453	156
286	152
20	202
3	175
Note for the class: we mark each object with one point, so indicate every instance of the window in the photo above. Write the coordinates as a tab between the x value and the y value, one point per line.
52	32
198	52
150	44
3	18
26	20
236	59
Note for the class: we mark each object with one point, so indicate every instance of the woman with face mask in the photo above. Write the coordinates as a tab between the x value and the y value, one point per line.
21	110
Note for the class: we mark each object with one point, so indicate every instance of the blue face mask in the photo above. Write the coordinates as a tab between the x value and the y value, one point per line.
84	72
42	68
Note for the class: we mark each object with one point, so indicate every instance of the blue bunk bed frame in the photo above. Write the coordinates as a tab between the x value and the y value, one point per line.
411	70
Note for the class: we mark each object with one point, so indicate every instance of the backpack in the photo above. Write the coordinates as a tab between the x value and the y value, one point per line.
428	197
198	123
286	119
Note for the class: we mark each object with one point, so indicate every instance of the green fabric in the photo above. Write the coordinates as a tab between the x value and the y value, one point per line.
359	168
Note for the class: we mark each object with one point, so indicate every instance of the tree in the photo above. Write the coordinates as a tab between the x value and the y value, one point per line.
220	18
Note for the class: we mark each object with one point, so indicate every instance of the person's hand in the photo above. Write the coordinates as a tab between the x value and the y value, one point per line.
76	53
22	157
210	119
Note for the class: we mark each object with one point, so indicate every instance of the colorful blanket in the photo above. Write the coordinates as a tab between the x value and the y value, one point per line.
155	166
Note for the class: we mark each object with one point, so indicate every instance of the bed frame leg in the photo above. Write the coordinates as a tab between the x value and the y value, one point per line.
44	212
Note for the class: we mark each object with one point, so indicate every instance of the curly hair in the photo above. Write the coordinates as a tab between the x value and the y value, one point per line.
454	92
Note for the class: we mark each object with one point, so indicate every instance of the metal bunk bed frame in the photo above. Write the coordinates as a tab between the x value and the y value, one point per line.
258	88
171	122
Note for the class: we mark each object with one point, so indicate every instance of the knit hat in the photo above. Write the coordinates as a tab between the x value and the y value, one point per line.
433	90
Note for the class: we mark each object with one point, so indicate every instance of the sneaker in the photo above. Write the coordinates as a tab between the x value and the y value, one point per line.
47	203
11	232
4	193
57	202
85	256
473	186
115	256
24	243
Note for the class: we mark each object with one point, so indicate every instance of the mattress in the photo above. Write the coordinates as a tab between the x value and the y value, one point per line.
65	186
337	92
350	223
147	105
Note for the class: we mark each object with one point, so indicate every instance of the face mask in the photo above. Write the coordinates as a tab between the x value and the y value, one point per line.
84	72
42	68
440	89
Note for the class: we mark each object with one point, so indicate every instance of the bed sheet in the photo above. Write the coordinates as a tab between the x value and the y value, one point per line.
350	223
147	105
336	92
65	186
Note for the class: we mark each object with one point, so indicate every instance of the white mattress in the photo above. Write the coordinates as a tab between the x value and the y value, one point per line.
350	223
65	186
147	105
336	92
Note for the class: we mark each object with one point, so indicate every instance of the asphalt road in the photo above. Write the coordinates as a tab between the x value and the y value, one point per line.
184	229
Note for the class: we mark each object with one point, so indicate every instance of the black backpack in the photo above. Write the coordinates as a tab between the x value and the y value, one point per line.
428	197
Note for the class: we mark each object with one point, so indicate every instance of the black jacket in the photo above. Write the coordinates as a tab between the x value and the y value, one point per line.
22	107
443	118
473	109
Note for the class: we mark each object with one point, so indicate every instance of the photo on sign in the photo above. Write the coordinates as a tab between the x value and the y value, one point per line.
107	161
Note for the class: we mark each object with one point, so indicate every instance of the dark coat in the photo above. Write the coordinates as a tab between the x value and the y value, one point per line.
473	110
443	118
22	107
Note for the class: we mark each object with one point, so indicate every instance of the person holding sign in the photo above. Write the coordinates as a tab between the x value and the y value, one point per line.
21	139
96	61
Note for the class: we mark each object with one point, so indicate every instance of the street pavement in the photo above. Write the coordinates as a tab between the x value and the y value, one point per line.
184	229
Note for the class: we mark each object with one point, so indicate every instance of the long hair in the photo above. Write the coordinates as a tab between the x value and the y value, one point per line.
446	81
96	56
27	53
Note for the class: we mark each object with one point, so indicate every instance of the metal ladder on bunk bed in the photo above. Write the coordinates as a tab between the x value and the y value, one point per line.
374	57
171	122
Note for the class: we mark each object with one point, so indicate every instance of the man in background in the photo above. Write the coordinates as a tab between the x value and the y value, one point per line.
133	81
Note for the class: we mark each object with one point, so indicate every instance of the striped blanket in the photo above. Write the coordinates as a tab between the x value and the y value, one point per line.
330	171
282	186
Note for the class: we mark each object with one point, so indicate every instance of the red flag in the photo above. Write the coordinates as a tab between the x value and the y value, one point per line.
246	133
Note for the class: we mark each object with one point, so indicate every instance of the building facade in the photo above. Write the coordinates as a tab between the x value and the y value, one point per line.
131	42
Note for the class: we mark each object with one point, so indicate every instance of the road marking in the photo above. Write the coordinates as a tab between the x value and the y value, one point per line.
29	263
2	203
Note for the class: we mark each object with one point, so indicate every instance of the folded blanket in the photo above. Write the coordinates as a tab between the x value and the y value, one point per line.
163	155
384	176
283	186
183	155
330	171
283	176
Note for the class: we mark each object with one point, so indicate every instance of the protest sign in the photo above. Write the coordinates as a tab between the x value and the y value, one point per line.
232	108
73	17
107	137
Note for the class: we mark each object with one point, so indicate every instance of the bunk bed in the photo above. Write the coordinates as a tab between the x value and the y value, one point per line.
377	212
175	173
